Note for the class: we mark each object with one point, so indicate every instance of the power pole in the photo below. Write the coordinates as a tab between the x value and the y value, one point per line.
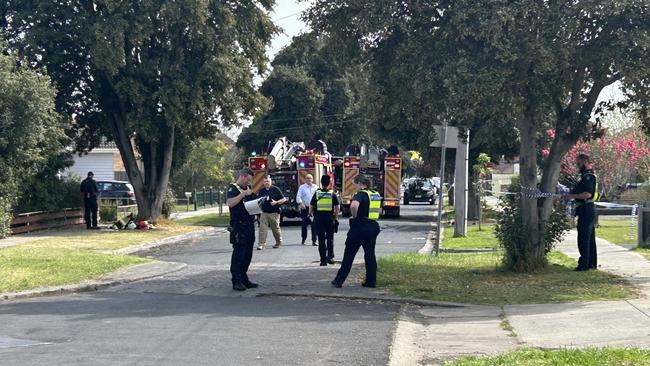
461	186
443	149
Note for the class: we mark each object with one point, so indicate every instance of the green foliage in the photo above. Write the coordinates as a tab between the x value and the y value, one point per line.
210	163
5	217
514	236
107	211
314	97
169	203
163	72
31	132
50	193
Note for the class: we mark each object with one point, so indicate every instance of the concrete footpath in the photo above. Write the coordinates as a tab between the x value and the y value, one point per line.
431	336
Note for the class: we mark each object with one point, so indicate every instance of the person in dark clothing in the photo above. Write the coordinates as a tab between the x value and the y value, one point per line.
89	190
585	192
324	207
243	230
364	230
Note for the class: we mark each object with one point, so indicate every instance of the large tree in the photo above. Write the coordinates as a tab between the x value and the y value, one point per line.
153	75
528	65
314	96
31	132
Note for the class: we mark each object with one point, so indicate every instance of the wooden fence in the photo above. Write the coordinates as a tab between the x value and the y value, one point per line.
33	221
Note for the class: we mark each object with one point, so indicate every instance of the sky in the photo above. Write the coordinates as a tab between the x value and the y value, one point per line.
287	16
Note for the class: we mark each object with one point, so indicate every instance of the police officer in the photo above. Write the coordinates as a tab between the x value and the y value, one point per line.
243	230
364	229
324	207
585	192
89	190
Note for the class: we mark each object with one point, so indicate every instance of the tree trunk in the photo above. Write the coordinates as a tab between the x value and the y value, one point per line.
149	189
531	247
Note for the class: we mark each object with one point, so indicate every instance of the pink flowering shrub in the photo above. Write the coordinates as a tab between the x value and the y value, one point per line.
617	160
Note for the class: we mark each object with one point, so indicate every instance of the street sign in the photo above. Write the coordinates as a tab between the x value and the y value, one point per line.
452	137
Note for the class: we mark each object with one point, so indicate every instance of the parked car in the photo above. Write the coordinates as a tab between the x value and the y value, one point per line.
420	190
116	190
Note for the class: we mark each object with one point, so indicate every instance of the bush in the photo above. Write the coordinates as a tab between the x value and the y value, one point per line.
107	211
51	193
514	236
5	217
169	203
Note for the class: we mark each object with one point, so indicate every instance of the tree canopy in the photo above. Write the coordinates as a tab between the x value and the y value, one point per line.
152	75
314	96
31	132
513	69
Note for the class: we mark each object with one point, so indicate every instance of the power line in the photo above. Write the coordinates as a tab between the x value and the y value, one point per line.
313	125
302	118
286	16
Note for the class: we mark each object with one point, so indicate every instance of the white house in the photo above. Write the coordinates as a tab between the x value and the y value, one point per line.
104	161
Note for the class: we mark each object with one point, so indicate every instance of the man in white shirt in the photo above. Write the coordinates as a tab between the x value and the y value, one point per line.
303	198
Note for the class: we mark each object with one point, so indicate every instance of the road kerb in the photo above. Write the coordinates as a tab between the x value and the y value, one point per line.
131	274
391	299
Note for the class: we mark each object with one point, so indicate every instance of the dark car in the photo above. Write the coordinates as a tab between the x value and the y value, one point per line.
420	190
116	190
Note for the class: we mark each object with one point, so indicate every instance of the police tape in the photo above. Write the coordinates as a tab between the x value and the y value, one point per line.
528	193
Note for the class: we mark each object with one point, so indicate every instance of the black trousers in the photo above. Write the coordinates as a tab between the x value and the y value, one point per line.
242	251
90	212
363	233
325	231
307	222
587	236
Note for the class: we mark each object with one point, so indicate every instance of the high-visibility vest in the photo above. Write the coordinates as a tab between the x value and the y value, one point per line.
324	201
375	204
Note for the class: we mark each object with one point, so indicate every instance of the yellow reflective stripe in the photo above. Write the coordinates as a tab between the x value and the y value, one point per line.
375	204
324	201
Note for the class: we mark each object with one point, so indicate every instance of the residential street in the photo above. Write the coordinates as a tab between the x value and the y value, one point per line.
193	317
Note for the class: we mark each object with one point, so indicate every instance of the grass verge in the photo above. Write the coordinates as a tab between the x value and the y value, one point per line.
617	230
73	255
206	220
569	357
25	267
475	239
478	279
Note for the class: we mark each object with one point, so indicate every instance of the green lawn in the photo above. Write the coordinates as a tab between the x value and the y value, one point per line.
73	255
617	230
25	266
565	357
475	239
478	279
207	220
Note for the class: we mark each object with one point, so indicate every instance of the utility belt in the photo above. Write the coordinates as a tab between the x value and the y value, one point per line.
582	207
236	227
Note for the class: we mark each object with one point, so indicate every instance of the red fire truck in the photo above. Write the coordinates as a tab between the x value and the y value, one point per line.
384	167
288	164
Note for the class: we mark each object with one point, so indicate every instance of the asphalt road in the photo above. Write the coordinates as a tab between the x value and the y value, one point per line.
192	317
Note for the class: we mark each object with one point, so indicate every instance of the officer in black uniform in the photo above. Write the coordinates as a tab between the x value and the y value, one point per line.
364	229
324	207
242	225
585	192
90	190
